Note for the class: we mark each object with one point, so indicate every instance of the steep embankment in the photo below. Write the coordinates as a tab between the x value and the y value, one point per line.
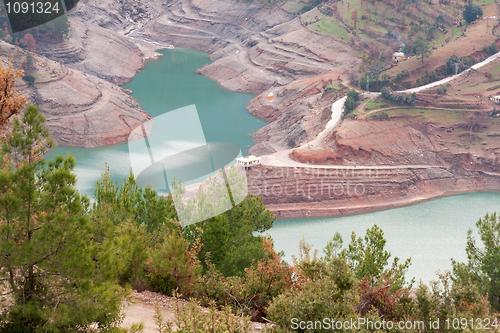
297	112
77	80
365	165
313	192
262	50
253	48
85	111
81	110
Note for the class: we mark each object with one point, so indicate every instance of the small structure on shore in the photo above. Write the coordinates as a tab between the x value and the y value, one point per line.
398	56
496	99
248	161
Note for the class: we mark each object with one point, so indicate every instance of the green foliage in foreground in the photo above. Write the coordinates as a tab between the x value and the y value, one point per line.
133	203
483	267
65	264
191	318
355	285
228	238
367	257
56	274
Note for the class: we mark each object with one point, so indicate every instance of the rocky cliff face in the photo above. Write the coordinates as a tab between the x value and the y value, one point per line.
252	47
296	112
306	192
77	86
85	111
372	142
82	110
97	43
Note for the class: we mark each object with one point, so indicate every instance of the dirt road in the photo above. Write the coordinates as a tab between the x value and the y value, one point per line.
282	158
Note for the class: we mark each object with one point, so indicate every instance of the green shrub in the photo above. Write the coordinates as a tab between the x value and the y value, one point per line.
173	264
29	79
472	12
249	294
398	98
493	48
350	103
329	290
353	94
315	301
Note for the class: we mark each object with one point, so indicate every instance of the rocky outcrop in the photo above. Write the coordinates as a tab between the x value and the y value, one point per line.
306	192
297	112
85	111
81	110
316	156
97	51
372	142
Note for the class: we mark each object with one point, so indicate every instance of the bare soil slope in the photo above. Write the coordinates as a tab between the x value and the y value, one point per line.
253	48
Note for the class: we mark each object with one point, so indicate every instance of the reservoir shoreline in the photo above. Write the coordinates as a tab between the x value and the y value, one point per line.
381	196
427	253
291	92
372	209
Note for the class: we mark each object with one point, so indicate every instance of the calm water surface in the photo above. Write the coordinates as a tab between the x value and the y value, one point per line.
430	233
166	84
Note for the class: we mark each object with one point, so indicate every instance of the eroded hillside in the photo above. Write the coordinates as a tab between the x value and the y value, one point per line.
253	48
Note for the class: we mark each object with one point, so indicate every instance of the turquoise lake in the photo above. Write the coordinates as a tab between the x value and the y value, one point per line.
431	233
165	84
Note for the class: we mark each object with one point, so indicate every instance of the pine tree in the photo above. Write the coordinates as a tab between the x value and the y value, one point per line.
368	258
56	274
422	48
483	261
229	237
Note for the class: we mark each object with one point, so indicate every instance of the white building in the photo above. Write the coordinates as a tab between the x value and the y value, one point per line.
496	99
398	56
248	161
